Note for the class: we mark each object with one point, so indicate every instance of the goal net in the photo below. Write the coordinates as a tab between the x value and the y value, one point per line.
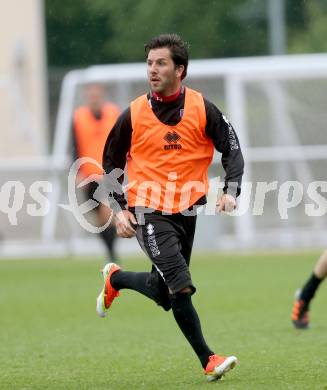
277	106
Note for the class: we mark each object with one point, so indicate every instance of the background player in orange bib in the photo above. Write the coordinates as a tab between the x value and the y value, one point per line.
92	124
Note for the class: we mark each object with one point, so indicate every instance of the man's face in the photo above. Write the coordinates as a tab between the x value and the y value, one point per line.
163	76
95	96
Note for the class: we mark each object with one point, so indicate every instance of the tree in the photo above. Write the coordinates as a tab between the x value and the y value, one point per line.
310	37
100	31
76	33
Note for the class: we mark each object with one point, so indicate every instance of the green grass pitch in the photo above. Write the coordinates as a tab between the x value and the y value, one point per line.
51	337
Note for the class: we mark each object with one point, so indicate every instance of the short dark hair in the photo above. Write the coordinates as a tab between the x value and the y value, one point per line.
178	48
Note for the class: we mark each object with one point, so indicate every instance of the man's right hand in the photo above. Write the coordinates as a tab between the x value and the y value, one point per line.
124	220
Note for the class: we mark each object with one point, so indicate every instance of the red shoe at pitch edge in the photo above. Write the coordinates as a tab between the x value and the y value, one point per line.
300	312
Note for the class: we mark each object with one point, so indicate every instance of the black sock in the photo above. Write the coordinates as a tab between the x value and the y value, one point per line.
109	237
310	288
189	323
133	281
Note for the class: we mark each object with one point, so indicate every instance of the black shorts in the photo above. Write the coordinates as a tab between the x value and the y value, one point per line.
168	241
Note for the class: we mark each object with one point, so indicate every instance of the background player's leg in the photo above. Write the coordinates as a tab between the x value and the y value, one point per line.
300	311
108	235
319	273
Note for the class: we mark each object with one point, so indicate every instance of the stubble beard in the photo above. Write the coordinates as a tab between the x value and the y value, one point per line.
162	86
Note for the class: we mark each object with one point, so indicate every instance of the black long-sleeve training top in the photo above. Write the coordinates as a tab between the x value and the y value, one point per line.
218	129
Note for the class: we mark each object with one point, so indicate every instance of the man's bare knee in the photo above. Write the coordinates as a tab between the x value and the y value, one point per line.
186	290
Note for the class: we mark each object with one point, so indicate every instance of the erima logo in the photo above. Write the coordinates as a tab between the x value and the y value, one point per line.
153	246
172	138
231	135
150	229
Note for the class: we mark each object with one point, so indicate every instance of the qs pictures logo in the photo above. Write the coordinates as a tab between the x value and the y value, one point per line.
80	210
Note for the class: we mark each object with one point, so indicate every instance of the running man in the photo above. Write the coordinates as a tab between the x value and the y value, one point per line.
167	139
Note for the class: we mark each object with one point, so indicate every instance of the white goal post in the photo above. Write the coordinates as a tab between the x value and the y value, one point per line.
277	106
